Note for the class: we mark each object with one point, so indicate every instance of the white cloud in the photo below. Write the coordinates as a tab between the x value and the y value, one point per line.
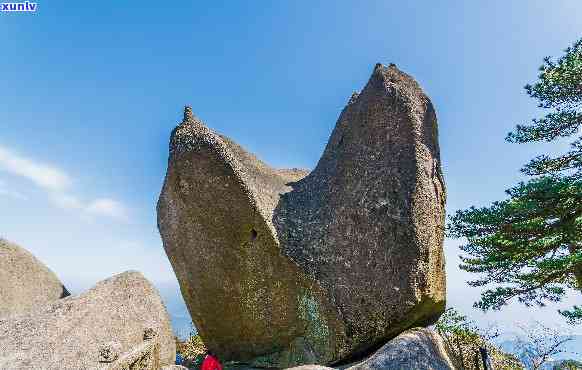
45	176
108	207
57	183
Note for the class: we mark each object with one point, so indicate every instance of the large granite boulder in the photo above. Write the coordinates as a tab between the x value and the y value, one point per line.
415	349
91	330
281	268
25	282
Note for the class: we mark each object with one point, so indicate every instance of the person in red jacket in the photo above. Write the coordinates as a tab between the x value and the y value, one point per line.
210	362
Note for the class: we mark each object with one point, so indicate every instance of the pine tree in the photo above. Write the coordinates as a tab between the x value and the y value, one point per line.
529	246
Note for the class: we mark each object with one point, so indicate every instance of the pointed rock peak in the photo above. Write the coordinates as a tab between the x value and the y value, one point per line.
391	77
379	73
190	118
186	132
188	115
381	70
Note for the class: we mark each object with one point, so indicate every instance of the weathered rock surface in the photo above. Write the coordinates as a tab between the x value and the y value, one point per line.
90	330
281	269
145	356
310	367
415	349
25	282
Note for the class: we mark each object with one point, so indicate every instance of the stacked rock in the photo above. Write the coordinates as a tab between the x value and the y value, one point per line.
285	267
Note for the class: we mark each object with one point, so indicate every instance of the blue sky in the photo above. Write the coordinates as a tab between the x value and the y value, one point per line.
91	90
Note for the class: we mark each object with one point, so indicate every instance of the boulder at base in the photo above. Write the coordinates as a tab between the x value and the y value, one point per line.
279	268
25	282
415	349
87	331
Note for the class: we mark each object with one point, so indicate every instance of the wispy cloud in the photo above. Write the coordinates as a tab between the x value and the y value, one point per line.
108	207
43	175
58	185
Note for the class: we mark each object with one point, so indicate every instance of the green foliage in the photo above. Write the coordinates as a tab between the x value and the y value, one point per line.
559	89
463	341
574	316
193	350
452	322
529	246
525	243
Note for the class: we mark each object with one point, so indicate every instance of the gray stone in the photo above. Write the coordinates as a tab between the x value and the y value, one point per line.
149	333
109	352
415	349
145	356
73	333
25	282
280	267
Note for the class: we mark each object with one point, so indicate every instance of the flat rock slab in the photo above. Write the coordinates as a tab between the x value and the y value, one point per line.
415	349
143	357
25	282
89	330
280	268
310	367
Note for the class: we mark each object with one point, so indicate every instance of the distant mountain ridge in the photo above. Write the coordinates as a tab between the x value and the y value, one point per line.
572	350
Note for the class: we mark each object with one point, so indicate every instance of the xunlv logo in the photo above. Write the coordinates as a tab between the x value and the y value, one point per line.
18	7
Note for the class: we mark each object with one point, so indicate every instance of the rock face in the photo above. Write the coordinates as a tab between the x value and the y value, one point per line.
415	349
280	267
145	356
25	282
310	367
90	330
